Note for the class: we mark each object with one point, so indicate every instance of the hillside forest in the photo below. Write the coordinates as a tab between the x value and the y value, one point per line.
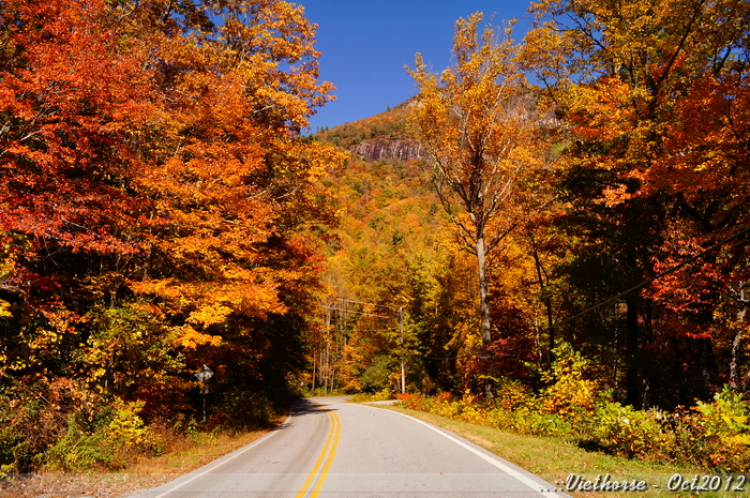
553	231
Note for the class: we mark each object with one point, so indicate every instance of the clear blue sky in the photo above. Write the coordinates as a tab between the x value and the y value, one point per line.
366	43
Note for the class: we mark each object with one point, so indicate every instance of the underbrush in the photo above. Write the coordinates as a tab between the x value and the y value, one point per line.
64	427
714	435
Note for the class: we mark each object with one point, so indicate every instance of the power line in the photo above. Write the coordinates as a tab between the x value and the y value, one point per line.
366	304
355	312
662	274
399	313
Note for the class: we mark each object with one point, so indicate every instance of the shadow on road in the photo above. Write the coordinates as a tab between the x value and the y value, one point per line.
305	407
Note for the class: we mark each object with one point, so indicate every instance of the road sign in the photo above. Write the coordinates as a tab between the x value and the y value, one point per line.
203	375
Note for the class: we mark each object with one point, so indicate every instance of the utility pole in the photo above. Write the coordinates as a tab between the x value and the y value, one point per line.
401	328
400	315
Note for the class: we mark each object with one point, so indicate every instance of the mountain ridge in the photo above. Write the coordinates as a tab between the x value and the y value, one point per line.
381	137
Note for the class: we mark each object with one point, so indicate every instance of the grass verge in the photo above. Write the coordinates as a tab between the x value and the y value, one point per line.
554	459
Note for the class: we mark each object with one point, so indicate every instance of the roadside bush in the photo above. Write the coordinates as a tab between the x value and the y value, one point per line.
62	425
378	396
570	394
77	451
33	416
723	432
413	401
626	431
512	394
126	427
112	444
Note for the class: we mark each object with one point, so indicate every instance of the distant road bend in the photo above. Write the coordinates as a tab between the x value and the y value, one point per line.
333	449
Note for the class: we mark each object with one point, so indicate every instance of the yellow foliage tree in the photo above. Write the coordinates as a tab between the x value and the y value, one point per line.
482	126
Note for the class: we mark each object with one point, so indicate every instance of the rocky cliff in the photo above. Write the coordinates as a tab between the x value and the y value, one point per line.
389	150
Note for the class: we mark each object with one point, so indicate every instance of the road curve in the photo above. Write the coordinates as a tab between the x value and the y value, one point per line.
332	449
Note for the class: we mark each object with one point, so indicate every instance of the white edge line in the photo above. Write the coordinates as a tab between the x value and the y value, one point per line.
524	479
247	448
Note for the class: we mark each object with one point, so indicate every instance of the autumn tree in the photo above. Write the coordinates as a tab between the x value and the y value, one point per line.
654	94
480	122
67	207
159	207
64	169
68	96
231	180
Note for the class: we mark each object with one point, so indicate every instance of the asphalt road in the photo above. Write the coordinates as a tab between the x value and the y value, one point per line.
333	449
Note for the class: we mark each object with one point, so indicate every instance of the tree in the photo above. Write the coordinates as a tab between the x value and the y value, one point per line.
231	180
654	97
480	123
157	204
67	98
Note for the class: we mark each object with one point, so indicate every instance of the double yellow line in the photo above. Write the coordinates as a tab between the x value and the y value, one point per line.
333	436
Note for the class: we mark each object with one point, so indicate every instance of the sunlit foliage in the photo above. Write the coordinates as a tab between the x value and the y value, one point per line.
159	210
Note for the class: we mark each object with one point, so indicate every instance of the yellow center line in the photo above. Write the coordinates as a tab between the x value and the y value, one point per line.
333	435
324	472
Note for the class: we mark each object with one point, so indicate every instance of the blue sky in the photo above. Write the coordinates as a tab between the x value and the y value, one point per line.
366	43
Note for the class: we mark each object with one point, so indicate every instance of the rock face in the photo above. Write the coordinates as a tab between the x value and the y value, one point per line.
389	150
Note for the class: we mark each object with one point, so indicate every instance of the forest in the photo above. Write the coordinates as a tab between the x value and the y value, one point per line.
571	252
571	245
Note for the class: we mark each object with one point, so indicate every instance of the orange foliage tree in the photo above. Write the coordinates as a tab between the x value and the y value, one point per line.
65	115
159	208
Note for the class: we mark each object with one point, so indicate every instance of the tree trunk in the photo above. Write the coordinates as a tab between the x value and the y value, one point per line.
484	294
327	358
632	379
315	355
734	374
548	305
484	304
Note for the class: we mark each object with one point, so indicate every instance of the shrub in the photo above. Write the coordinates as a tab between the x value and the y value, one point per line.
77	451
512	394
378	396
120	436
33	416
413	401
630	432
723	431
570	393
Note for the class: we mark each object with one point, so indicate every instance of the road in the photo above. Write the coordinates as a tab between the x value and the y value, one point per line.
333	449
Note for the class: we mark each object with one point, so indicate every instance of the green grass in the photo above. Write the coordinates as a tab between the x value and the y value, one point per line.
554	459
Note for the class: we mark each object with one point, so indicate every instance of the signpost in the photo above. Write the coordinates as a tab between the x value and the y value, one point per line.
203	375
